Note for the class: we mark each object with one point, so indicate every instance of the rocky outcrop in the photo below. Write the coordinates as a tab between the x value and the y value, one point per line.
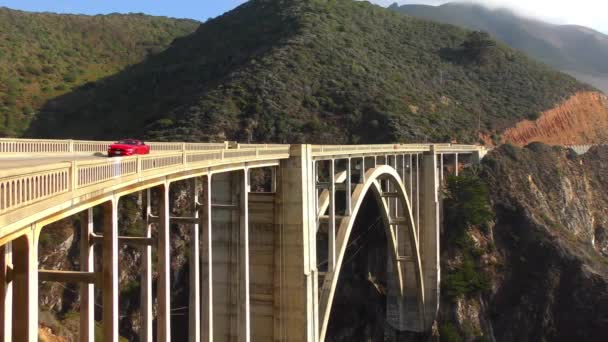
545	255
582	119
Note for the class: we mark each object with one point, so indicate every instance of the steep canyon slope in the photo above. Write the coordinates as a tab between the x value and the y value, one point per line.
544	261
312	70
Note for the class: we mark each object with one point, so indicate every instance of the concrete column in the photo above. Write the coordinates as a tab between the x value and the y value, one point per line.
296	302
348	187
441	168
6	292
478	155
207	267
244	301
418	160
456	164
163	296
110	271
273	179
194	303
145	333
331	229
429	236
25	288
87	291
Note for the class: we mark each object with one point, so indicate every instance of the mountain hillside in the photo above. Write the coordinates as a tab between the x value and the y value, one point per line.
43	55
541	265
316	71
578	51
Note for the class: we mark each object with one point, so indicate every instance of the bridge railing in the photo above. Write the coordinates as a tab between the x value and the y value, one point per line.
319	150
49	146
23	186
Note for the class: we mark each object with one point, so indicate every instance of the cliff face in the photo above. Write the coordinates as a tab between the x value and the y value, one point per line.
582	119
546	255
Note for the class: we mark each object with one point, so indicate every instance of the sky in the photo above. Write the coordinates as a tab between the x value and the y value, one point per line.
590	13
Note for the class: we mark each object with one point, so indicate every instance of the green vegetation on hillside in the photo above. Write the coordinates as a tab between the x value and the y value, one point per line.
45	55
316	71
466	205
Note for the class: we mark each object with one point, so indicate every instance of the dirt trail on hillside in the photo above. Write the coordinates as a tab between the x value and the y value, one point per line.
582	119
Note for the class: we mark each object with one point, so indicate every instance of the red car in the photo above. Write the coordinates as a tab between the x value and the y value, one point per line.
128	147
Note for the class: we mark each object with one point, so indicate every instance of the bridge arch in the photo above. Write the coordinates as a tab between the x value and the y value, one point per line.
404	267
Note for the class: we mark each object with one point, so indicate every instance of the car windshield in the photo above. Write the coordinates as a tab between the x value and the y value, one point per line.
128	142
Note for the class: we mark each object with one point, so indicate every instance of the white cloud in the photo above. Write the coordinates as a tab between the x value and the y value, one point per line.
591	13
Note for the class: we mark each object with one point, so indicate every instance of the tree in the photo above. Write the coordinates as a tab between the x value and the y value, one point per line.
478	45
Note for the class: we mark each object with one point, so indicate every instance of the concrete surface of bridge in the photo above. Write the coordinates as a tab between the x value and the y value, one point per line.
255	268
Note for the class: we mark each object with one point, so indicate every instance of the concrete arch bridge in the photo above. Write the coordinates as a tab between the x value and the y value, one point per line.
255	256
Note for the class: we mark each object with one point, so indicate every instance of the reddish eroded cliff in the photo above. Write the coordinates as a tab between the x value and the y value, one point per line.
582	119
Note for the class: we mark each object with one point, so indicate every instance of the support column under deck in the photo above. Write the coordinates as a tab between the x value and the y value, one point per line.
296	300
110	271
6	292
25	288
205	216
145	333
87	290
163	319
194	303
244	300
429	235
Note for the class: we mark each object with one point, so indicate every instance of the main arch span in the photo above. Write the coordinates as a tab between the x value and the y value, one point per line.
263	265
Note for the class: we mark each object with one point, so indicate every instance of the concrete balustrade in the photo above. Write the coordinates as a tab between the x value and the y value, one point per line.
47	146
254	273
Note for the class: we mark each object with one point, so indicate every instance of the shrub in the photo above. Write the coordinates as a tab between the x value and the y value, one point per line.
466	203
449	333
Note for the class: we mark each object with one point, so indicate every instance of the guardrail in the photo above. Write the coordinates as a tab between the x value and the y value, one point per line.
48	146
322	150
21	187
581	149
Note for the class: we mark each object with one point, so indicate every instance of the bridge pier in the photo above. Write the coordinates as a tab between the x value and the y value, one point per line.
87	290
25	288
194	302
430	236
110	270
163	296
145	333
6	292
207	261
231	285
296	291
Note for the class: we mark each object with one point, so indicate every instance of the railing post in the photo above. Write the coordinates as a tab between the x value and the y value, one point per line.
164	271
6	292
87	291
74	175
145	333
194	303
110	270
71	145
25	288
